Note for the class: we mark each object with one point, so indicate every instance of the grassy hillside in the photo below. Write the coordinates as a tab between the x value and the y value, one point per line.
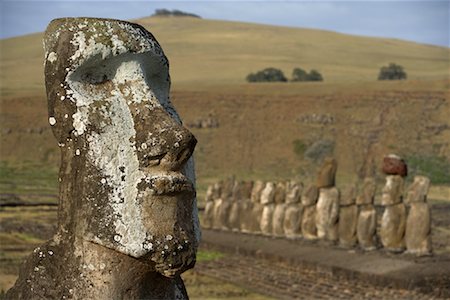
205	52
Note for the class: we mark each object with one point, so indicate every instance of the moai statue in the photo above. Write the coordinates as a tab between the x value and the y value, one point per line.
127	222
279	210
327	207
348	217
223	210
308	201
245	207
294	210
418	222
252	223
218	202
207	219
393	220
235	209
366	227
267	199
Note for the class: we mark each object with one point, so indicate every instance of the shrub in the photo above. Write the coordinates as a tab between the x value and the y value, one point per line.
299	147
392	72
267	75
319	150
174	13
435	167
299	74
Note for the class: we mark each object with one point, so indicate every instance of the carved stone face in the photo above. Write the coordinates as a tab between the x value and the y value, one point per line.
129	176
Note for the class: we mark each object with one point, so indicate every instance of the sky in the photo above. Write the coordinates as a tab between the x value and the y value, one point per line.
425	21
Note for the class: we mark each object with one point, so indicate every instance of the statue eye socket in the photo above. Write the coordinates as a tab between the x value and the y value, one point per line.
94	78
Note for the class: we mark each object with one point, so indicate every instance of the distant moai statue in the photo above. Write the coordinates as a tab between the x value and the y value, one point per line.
308	201
253	222
327	207
348	217
279	210
418	222
208	215
366	227
218	202
128	224
240	204
224	208
294	210
393	220
267	199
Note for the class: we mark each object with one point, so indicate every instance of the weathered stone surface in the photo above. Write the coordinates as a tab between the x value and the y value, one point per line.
209	193
394	165
278	214
217	190
218	204
347	195
246	216
309	229
234	218
266	219
327	214
310	195
367	192
257	189
327	173
268	193
392	230
280	193
227	188
366	227
392	191
418	190
255	218
292	224
208	216
348	220
294	192
418	229
128	223
246	190
224	210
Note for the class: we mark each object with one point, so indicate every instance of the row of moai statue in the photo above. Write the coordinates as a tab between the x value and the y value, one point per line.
322	211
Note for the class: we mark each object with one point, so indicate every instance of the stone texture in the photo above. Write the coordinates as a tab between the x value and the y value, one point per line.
392	230
257	189
309	229
268	193
347	195
279	209
280	193
294	192
348	220
394	165
246	216
327	173
218	203
292	224
224	210
310	195
234	218
266	219
255	217
418	190
392	192
327	214
128	222
208	215
366	227
367	192
418	229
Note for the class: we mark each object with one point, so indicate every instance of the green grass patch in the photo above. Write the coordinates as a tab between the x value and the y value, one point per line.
434	167
203	255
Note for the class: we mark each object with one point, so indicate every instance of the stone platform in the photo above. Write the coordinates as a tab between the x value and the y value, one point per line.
429	275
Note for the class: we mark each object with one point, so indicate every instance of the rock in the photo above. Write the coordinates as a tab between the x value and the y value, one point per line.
418	229
310	195
257	189
366	227
418	190
392	191
327	214
266	219
347	196
367	192
292	224
268	193
392	230
126	229
293	192
348	220
394	165
327	174
309	229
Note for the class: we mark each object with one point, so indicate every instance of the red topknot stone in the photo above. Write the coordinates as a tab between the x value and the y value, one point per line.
394	165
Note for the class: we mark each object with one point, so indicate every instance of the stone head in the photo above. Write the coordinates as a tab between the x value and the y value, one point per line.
127	175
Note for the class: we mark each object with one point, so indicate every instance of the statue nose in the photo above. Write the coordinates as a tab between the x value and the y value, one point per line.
179	151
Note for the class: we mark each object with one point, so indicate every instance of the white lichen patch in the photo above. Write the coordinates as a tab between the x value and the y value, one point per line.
77	152
52	57
52	121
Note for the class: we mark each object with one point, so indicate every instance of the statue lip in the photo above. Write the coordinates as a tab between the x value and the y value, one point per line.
169	184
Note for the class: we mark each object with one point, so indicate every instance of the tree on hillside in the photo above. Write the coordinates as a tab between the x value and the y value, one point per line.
299	74
267	75
392	72
173	13
314	75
